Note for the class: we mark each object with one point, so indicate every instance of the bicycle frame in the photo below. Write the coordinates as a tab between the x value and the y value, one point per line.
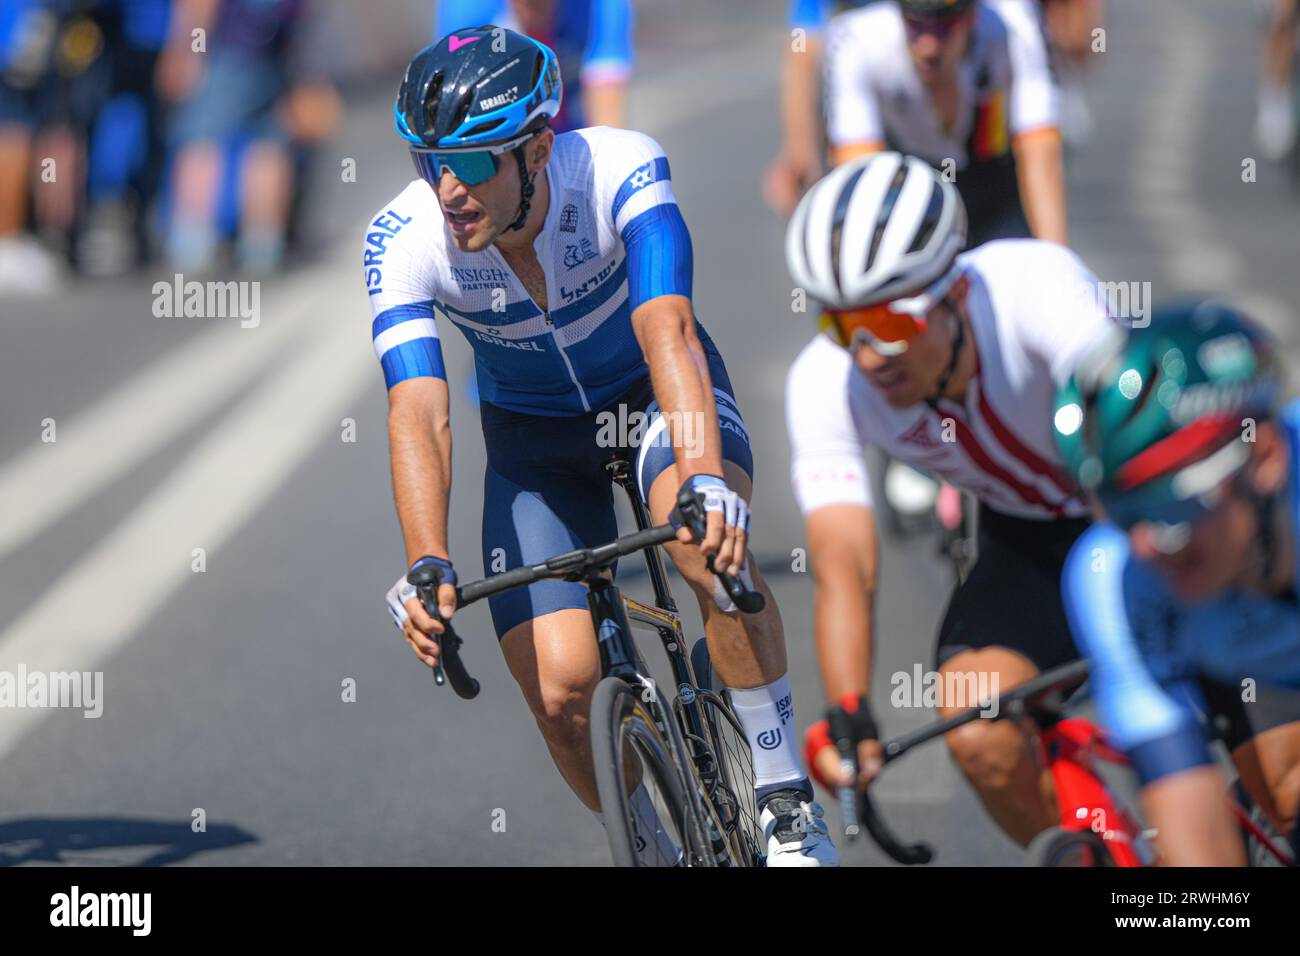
613	614
1071	748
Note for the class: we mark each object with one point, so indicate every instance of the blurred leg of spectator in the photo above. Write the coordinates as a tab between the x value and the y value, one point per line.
192	238
266	187
25	265
1275	124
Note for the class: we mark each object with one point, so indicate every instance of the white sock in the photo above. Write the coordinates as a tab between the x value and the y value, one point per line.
767	717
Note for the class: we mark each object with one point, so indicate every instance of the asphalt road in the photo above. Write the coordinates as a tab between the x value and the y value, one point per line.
223	689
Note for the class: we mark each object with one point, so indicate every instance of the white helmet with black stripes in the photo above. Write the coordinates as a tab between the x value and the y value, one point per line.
875	229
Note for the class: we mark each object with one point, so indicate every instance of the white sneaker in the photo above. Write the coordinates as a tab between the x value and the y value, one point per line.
1275	130
795	831
27	267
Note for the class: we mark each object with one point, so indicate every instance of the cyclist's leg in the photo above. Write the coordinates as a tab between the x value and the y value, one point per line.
1004	625
1263	737
747	650
540	499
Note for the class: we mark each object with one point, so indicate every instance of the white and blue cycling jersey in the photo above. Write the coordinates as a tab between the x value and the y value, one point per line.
592	40
1150	653
613	239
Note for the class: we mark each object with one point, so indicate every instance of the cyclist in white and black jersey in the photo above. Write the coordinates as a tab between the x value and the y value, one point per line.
964	85
948	361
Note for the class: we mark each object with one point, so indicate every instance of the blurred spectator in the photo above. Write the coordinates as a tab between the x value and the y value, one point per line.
1275	120
116	122
592	39
27	30
257	92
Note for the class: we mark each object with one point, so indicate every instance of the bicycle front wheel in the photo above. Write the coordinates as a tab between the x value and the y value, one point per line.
1057	846
646	815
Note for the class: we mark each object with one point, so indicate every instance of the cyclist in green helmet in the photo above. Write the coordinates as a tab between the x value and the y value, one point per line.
1185	597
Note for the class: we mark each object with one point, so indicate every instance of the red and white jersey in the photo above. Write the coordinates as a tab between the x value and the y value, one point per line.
1035	309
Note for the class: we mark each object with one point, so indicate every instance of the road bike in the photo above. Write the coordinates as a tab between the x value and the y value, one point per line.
673	768
1095	828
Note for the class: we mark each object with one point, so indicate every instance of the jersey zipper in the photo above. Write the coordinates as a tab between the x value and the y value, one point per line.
542	259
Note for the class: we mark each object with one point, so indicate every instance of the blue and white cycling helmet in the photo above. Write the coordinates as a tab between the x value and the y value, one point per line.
473	96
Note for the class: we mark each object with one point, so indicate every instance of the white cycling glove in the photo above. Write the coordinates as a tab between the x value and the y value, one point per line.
718	497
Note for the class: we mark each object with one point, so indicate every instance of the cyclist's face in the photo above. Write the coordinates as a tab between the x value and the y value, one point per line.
906	379
937	44
1220	550
1217	547
477	215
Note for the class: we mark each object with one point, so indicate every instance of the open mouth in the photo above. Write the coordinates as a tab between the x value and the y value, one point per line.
461	221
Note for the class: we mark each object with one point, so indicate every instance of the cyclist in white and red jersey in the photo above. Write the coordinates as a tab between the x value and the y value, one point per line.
964	85
949	362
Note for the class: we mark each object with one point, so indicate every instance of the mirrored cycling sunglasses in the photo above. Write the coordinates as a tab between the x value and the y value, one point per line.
888	326
470	166
1170	524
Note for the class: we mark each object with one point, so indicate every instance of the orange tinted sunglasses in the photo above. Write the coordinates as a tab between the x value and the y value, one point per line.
878	323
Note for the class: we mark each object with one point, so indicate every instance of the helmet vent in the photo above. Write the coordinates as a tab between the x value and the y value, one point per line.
930	221
462	111
886	210
1148	389
837	225
432	96
486	127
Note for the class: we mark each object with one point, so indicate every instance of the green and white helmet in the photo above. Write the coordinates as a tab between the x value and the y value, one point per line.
1153	421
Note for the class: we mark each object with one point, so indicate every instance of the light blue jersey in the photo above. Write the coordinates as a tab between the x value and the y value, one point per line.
613	239
1148	650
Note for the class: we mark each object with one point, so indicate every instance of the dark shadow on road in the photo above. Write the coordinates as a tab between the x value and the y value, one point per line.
54	840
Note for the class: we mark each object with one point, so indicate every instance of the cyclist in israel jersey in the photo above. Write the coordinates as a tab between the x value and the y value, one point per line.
1185	599
965	85
948	361
565	262
592	40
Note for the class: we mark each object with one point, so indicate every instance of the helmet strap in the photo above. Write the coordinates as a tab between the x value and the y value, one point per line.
526	189
958	341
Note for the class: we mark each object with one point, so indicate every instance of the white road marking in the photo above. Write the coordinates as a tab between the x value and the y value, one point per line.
234	470
97	446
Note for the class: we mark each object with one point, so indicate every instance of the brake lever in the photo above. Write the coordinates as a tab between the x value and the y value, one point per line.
691	514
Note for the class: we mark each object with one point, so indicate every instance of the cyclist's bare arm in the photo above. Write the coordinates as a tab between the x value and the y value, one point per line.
604	104
801	104
419	439
842	550
679	372
1191	814
850	151
1279	42
1040	170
